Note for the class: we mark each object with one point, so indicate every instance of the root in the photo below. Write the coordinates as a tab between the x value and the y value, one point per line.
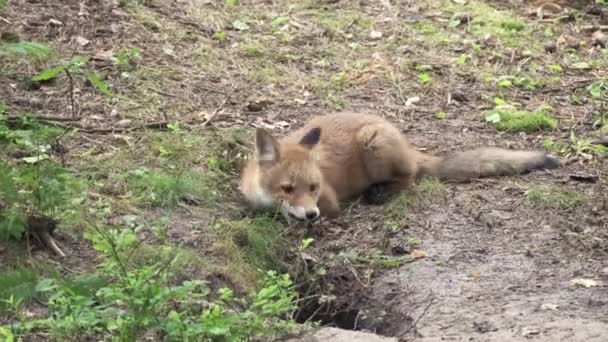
42	228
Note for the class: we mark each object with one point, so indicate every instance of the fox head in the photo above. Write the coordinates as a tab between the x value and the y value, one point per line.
288	173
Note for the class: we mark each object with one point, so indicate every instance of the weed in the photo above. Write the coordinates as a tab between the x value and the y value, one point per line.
127	59
76	66
507	118
599	89
554	197
253	243
130	303
523	82
17	287
576	146
32	50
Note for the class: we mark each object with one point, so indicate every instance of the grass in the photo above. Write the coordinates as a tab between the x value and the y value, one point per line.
554	197
504	25
425	191
252	244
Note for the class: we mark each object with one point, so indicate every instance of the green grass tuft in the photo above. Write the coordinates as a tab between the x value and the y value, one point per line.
554	197
18	284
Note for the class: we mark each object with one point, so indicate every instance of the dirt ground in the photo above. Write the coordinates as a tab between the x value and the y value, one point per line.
499	265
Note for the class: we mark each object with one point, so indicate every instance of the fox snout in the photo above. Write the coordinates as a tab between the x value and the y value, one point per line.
300	213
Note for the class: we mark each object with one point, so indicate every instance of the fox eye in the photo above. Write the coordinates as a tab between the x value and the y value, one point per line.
287	188
314	187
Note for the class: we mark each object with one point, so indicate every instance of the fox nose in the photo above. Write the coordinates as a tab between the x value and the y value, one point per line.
311	215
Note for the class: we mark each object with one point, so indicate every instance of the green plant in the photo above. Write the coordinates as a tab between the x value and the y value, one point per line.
126	59
28	49
17	287
576	146
599	90
128	302
74	67
43	188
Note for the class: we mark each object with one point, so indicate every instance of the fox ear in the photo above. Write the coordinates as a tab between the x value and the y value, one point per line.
311	138
266	146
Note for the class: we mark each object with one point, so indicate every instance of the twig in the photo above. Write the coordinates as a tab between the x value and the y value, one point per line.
73	108
11	118
419	317
215	112
5	20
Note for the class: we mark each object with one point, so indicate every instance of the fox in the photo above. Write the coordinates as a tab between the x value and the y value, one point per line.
336	157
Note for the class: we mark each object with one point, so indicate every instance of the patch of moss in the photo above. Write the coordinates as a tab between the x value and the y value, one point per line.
512	120
554	197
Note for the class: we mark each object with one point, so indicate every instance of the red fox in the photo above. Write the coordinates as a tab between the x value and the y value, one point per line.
340	156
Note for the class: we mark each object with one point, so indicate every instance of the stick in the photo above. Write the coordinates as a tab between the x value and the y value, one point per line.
419	317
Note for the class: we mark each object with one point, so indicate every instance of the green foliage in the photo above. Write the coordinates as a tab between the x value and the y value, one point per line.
129	303
17	287
77	67
523	82
127	59
599	90
37	185
24	49
554	197
44	188
576	146
507	118
157	188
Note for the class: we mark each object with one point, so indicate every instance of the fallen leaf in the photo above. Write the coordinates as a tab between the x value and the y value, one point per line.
418	254
240	25
585	282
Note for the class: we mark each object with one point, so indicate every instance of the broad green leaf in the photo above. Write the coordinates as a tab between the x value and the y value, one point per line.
493	118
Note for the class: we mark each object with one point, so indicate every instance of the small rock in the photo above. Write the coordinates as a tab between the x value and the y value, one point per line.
484	327
55	22
550	47
124	123
599	38
549	306
258	105
82	41
604	271
375	35
530	331
585	282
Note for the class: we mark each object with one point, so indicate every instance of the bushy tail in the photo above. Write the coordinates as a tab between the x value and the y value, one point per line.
486	162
